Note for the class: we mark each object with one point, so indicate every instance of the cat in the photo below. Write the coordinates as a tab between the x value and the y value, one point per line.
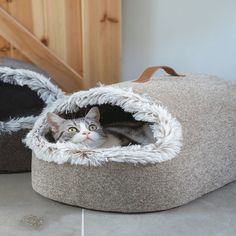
86	131
135	132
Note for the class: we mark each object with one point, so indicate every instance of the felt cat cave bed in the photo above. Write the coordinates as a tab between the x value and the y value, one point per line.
24	91
193	121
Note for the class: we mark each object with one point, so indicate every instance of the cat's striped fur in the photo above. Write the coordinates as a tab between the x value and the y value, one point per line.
79	131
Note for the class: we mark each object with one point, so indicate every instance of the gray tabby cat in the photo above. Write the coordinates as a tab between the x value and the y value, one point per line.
87	131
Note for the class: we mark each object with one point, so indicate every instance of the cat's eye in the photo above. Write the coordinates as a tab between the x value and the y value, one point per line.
72	130
92	127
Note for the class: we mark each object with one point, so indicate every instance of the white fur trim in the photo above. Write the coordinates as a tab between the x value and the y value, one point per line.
47	91
17	124
166	129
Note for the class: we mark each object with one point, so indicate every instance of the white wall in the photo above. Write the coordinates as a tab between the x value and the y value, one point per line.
189	35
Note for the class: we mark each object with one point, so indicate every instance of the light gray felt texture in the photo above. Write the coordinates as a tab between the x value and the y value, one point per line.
206	108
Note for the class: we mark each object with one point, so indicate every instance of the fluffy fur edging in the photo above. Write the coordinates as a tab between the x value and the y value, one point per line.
17	124
166	129
45	89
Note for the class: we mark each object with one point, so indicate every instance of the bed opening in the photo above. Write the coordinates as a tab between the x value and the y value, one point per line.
117	122
18	101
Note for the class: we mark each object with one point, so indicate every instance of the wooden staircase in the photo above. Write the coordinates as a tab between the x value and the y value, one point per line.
77	41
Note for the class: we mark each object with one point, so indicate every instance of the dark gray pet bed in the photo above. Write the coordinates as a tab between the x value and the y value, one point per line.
193	120
24	91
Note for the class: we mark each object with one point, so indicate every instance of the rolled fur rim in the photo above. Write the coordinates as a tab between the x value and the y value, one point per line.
42	85
166	130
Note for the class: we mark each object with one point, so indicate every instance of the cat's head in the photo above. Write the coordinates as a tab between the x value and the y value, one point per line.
86	130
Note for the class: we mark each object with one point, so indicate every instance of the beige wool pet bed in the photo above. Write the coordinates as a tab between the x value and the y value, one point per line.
193	121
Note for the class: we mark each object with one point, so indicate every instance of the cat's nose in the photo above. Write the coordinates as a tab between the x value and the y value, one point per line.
86	133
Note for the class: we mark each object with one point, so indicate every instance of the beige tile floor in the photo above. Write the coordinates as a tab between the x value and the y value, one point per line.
25	213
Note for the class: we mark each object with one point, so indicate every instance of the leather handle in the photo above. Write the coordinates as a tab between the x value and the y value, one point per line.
148	73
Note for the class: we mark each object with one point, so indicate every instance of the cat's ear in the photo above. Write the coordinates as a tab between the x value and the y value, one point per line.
54	121
93	114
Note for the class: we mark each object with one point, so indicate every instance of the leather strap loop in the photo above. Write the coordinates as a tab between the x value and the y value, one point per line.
148	73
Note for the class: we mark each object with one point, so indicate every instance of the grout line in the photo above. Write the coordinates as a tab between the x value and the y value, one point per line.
82	222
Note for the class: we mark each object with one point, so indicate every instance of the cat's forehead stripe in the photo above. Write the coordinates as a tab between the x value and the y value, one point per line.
87	122
74	122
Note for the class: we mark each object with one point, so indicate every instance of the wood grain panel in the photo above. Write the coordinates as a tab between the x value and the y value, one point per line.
32	48
74	45
5	47
39	22
55	21
22	12
101	41
63	30
84	36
